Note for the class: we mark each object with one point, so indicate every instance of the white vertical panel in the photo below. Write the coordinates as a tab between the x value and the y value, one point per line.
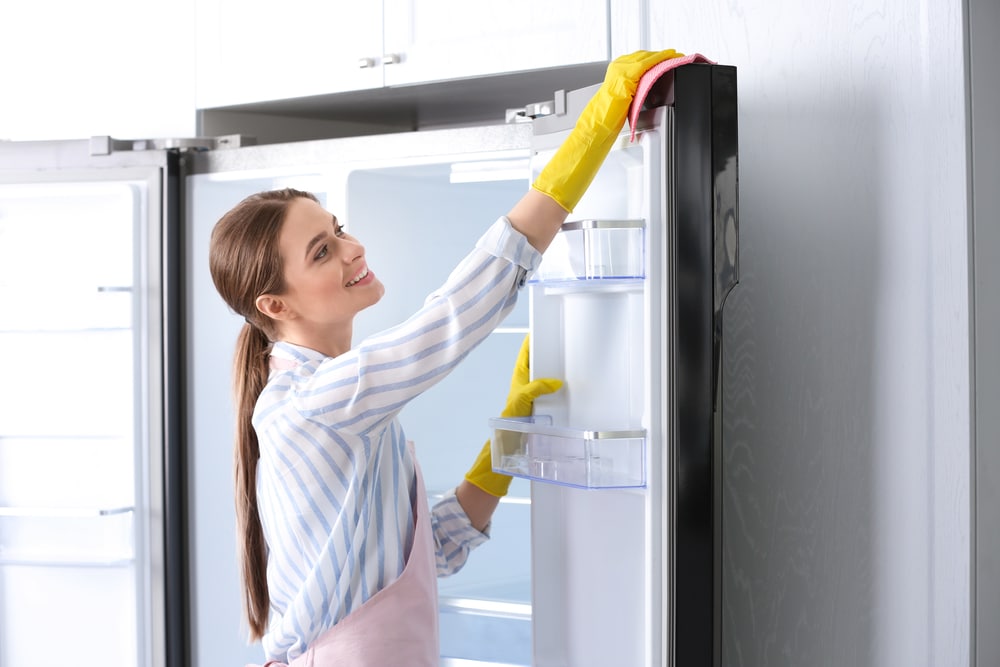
846	474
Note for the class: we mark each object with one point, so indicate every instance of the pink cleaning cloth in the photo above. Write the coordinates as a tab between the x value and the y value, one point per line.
653	75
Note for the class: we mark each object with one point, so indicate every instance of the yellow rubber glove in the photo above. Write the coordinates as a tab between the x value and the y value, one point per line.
572	169
523	393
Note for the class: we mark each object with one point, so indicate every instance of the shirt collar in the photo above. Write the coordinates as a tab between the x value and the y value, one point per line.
284	352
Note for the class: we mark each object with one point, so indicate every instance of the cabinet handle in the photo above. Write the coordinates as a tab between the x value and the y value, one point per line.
365	63
391	59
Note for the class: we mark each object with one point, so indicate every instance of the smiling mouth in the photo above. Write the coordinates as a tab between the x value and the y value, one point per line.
361	276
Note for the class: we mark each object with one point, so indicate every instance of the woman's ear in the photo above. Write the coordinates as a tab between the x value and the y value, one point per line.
273	307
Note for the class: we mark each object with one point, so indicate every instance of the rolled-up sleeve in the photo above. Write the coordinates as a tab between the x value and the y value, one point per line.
454	535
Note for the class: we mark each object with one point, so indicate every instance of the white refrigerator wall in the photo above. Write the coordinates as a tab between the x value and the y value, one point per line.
846	479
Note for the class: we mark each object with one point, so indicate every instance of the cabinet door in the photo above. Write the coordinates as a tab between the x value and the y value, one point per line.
435	40
252	50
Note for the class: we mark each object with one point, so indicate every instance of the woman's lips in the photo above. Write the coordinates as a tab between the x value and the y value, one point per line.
363	276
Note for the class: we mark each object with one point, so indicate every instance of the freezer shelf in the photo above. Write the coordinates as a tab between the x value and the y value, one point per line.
594	250
532	448
67	537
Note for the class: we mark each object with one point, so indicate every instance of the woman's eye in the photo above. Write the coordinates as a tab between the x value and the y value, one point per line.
322	252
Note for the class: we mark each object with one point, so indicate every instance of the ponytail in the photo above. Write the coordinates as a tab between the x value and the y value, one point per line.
245	262
250	370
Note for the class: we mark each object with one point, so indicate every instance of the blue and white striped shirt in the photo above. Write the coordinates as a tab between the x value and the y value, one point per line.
335	481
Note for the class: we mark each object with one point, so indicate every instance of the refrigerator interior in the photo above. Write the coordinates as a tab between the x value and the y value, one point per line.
80	353
417	216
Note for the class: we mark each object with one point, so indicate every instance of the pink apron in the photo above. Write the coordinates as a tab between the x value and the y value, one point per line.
398	625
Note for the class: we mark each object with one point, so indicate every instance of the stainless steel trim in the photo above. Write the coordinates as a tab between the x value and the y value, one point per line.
561	431
105	145
574	225
358	152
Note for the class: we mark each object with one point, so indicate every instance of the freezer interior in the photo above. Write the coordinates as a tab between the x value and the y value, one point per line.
73	456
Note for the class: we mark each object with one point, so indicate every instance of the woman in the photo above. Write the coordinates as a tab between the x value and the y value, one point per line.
338	549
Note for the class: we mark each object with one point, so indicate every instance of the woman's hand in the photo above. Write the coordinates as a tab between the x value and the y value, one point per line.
520	400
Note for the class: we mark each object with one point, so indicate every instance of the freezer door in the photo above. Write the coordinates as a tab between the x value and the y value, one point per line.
82	425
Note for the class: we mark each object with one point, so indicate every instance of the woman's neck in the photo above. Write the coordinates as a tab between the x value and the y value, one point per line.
332	342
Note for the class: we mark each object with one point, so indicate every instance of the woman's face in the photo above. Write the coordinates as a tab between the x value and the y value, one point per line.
326	276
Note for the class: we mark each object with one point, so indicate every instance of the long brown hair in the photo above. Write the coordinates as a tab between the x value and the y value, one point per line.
245	262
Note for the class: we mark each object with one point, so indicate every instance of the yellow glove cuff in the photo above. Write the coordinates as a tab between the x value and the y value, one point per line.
482	476
572	169
520	400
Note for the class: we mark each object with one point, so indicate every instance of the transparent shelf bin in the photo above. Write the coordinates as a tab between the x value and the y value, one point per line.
595	250
532	448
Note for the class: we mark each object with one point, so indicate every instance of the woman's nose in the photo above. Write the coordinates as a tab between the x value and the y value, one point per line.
351	250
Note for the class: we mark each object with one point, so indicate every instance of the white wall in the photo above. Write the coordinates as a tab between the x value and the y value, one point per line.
71	70
846	473
846	462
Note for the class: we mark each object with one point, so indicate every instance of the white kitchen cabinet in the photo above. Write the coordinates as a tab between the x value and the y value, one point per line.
107	67
250	52
254	50
449	39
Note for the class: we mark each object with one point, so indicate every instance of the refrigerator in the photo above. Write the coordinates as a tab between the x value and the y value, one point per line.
606	549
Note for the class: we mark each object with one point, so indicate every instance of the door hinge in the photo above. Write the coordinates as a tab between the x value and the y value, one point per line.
104	145
554	107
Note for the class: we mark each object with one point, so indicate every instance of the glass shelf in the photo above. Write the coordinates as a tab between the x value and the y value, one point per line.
42	560
67	537
531	447
594	253
63	512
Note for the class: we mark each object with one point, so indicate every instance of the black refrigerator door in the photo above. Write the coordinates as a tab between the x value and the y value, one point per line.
703	258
